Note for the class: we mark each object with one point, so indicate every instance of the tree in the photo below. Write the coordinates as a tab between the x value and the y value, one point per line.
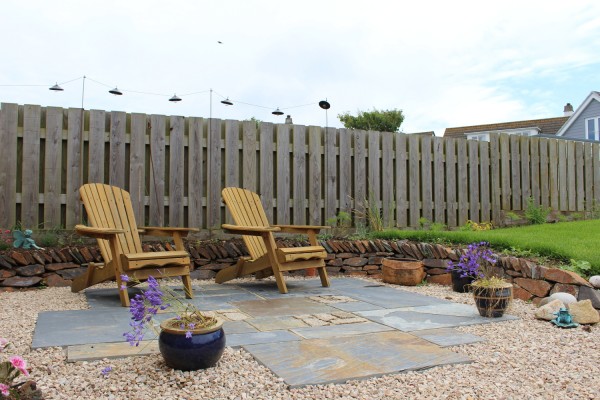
376	120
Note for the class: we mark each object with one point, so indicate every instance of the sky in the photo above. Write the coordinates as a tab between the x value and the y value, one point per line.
443	63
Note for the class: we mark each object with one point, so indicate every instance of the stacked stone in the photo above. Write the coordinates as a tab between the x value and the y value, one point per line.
27	268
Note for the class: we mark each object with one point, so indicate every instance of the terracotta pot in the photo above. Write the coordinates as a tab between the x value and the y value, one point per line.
403	271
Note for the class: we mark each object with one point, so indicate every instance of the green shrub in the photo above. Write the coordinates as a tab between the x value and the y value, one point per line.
536	215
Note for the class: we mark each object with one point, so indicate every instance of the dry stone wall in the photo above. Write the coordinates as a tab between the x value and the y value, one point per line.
57	267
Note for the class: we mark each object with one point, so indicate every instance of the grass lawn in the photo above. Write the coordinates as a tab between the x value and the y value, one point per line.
579	240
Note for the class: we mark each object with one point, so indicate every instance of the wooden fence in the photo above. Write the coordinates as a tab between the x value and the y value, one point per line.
175	168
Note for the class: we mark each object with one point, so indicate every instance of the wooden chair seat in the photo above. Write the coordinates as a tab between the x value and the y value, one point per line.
265	257
154	259
290	254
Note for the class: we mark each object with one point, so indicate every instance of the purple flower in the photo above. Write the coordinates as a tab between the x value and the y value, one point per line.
191	325
124	278
474	262
106	370
188	335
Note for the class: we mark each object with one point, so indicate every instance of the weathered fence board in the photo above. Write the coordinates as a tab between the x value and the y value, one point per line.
266	169
30	189
137	166
299	175
116	163
283	174
176	171
53	168
175	167
8	165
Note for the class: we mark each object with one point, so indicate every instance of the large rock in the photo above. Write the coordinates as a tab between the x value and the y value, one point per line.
595	281
536	287
355	262
521	294
60	266
587	293
18	257
562	276
563	287
444	279
30	270
54	280
202	274
18	281
547	311
566	298
7	273
71	273
584	313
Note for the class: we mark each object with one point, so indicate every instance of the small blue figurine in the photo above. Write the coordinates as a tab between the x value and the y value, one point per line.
563	319
24	240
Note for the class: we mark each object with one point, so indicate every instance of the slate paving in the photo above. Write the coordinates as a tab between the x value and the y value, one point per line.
389	330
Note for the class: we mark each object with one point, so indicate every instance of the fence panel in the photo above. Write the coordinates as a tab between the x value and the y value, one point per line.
175	167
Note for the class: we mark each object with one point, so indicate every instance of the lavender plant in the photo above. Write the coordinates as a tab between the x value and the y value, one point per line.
145	306
476	262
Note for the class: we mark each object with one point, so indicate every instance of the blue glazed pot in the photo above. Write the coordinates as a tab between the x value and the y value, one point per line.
203	350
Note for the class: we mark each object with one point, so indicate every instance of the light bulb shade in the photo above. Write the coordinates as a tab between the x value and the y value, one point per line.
175	98
324	104
227	102
115	91
56	88
277	112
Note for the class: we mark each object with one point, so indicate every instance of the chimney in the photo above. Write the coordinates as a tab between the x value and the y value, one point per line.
288	119
568	110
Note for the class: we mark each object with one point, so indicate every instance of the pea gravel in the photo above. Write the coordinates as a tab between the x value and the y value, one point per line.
522	359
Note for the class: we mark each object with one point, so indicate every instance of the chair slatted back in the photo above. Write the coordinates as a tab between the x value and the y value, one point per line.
110	207
247	210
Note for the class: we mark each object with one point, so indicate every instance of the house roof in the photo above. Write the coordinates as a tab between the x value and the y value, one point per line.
547	126
583	106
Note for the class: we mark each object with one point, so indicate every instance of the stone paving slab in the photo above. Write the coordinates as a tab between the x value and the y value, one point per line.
98	351
266	324
339	359
408	321
446	337
268	338
353	306
321	332
64	328
389	297
282	307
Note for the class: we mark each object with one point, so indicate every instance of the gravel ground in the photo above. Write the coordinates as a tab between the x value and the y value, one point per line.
524	359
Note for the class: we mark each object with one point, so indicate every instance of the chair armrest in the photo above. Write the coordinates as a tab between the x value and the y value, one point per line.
98	233
249	230
165	231
300	228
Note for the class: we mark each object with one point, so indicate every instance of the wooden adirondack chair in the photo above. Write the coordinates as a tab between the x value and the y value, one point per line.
265	257
112	221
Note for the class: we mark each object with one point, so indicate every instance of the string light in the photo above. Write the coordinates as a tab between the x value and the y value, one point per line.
118	92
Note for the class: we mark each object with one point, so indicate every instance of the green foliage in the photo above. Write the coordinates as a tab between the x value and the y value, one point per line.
369	215
474	226
437	227
576	240
577	216
562	218
376	120
340	225
536	214
581	267
425	224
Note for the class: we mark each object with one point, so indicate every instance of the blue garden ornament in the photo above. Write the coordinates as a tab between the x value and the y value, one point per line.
24	240
563	319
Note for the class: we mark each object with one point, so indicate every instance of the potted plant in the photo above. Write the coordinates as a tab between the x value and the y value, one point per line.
467	268
492	294
189	341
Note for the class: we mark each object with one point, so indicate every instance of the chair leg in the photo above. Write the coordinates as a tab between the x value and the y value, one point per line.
324	277
123	294
280	281
187	285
